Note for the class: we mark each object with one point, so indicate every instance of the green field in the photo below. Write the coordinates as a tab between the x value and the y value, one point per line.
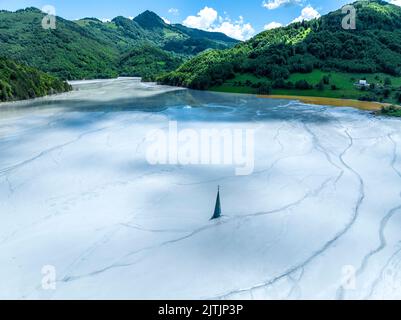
343	81
393	111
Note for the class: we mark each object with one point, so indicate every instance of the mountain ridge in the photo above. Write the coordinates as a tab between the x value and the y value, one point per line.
89	48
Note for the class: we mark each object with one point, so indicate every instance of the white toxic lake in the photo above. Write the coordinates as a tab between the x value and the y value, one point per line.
84	215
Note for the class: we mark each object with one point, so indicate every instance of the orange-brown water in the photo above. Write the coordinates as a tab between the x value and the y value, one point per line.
363	105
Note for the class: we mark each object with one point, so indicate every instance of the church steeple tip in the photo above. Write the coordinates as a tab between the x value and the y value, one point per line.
217	210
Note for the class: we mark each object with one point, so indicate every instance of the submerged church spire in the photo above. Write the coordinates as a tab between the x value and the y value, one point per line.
217	210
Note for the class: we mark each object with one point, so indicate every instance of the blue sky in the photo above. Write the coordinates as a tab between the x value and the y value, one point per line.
213	15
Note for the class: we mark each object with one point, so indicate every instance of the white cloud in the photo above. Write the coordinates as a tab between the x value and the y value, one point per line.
105	20
307	13
273	25
275	4
203	20
237	30
396	2
174	11
131	18
166	20
208	19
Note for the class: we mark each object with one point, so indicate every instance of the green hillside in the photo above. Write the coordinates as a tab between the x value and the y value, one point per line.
147	61
69	51
317	58
18	82
180	39
89	48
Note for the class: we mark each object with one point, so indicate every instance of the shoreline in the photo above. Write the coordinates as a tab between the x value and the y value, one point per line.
334	102
372	106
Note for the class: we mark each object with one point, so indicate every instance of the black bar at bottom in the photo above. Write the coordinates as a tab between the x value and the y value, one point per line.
201	309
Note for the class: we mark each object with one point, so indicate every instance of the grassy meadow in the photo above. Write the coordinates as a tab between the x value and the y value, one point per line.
344	85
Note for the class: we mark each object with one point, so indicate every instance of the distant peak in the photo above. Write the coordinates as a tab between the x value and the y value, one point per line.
30	9
149	13
149	20
90	19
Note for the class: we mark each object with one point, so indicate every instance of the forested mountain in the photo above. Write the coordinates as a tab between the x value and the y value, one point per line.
147	61
69	51
89	48
180	39
19	82
270	59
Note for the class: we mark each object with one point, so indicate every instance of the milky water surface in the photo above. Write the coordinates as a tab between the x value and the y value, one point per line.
78	194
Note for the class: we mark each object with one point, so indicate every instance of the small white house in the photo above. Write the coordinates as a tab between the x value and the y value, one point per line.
362	84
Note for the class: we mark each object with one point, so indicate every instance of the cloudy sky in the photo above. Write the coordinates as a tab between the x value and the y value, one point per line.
239	19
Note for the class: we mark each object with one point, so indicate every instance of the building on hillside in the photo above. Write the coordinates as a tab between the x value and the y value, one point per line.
362	84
